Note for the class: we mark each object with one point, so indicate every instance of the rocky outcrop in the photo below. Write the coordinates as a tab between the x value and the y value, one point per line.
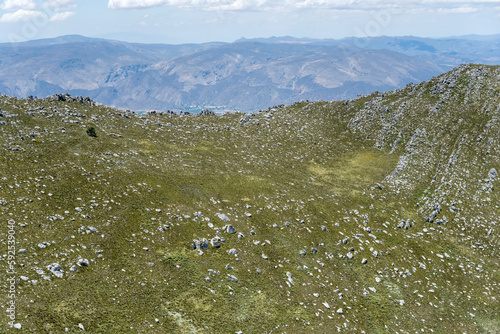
68	98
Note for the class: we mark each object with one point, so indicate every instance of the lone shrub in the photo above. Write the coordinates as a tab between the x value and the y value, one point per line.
91	132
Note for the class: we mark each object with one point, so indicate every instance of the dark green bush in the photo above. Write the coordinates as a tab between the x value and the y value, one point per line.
91	132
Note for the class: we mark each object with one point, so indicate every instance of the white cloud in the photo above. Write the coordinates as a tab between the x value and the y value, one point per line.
17	4
21	15
117	4
459	6
61	16
60	5
458	10
198	4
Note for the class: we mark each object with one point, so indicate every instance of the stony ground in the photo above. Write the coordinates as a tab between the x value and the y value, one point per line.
373	215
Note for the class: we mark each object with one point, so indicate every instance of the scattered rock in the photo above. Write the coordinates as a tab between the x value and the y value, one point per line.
201	244
44	244
56	269
204	244
215	242
408	224
224	218
232	278
230	229
492	174
83	262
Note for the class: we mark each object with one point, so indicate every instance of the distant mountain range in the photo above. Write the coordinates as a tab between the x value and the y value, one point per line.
246	75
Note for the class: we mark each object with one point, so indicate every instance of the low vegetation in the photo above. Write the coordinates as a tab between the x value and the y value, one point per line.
374	215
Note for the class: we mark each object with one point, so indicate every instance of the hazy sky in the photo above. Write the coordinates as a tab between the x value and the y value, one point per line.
193	21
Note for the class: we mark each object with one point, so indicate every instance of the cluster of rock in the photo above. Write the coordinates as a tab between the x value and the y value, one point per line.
206	112
68	98
406	224
203	244
436	209
57	270
87	229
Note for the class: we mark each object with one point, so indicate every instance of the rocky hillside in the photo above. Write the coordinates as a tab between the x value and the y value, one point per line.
378	214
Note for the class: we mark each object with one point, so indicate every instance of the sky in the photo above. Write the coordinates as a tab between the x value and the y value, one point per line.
198	21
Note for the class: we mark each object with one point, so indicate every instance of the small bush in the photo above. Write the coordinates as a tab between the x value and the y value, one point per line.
91	132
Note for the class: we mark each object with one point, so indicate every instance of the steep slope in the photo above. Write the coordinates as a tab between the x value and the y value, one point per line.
378	214
448	131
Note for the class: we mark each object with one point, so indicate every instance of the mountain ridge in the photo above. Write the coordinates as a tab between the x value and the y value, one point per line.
193	76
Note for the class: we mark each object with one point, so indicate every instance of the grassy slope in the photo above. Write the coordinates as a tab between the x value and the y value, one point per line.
311	162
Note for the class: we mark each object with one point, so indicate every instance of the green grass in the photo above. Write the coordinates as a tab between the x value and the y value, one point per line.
307	165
